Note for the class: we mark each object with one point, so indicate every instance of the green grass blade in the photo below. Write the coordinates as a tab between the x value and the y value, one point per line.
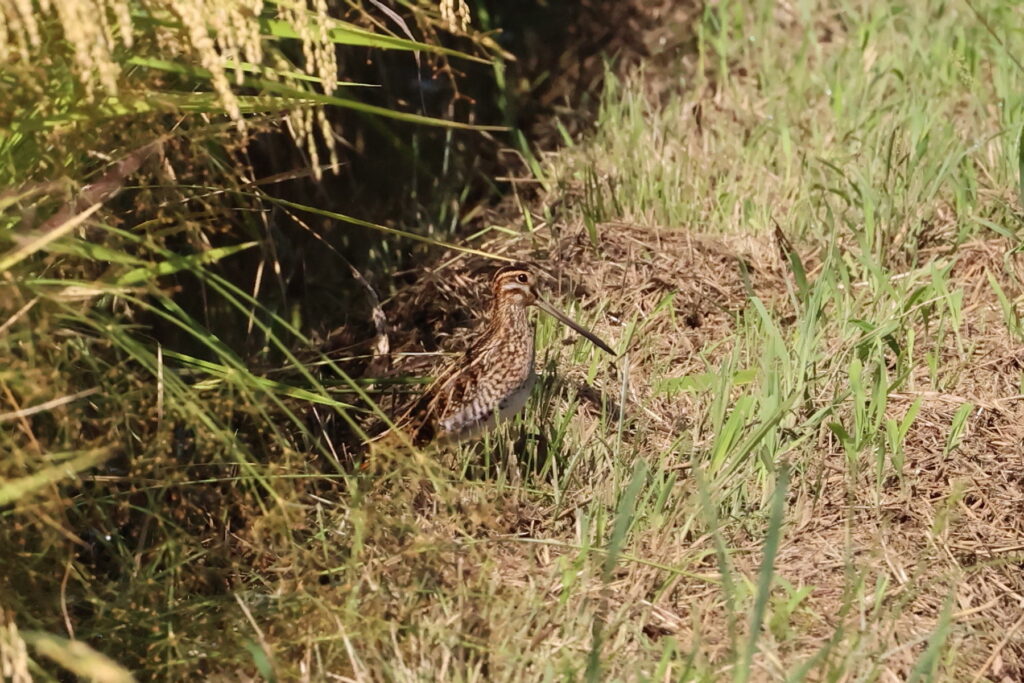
625	513
956	427
927	664
39	241
1020	166
764	582
12	490
384	229
176	264
343	33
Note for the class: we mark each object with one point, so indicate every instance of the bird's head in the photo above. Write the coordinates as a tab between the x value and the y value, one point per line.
515	284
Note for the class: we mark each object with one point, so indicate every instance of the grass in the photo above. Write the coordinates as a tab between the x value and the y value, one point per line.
883	141
804	465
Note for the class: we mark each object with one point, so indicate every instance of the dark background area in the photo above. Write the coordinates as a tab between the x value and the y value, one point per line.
424	179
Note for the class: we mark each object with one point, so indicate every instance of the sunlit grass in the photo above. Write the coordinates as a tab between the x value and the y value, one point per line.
791	489
162	440
880	139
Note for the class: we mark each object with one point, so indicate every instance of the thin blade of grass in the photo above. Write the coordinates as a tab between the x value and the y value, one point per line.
41	239
624	516
343	33
382	228
176	264
764	580
14	489
78	658
926	665
625	513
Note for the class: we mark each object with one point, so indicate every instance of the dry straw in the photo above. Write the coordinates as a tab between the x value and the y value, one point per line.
220	37
455	14
13	652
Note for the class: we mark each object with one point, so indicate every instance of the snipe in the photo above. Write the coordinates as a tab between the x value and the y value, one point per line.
492	380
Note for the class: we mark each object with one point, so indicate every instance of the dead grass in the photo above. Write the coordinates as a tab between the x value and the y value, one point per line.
881	366
809	259
882	553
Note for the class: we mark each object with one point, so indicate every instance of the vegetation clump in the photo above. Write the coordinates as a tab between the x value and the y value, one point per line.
800	223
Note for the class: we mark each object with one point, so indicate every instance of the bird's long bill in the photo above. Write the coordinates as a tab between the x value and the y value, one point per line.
569	322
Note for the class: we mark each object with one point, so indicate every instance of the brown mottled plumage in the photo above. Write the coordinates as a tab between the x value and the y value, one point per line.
492	380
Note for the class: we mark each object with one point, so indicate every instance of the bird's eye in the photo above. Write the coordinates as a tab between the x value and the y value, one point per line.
522	277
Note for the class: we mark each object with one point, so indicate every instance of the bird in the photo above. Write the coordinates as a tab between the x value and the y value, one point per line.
492	380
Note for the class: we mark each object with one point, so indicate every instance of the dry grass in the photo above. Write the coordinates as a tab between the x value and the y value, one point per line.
884	366
942	531
803	238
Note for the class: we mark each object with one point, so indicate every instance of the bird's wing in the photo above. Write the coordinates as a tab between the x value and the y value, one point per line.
451	387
